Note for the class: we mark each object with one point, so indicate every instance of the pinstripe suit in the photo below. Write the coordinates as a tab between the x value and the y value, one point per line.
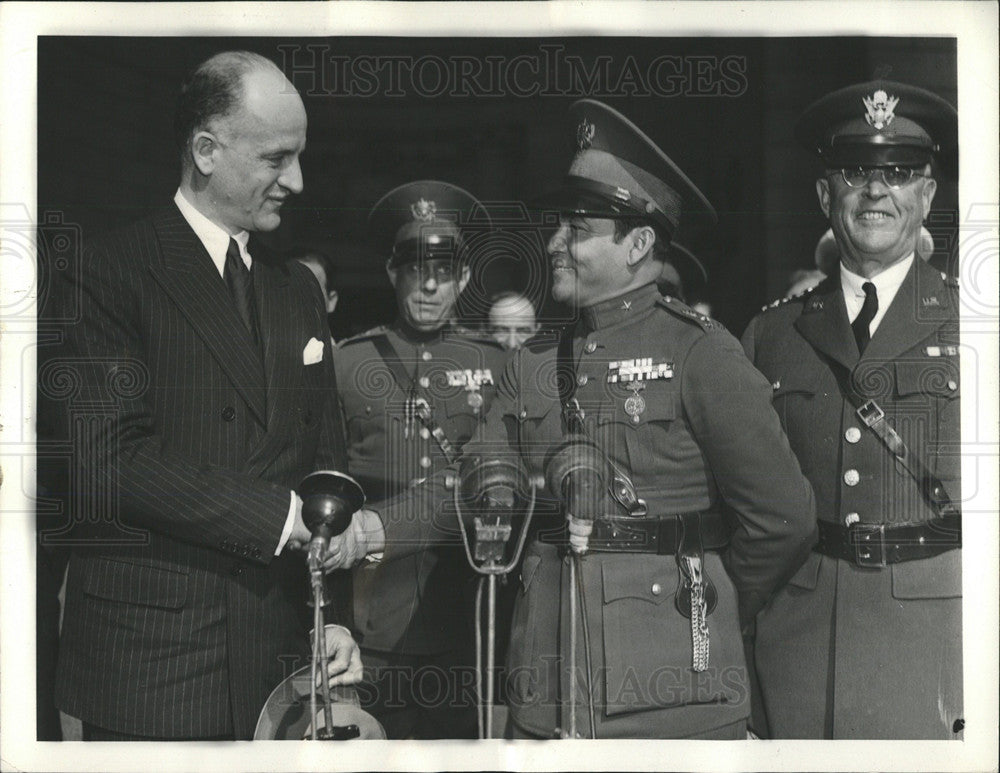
179	618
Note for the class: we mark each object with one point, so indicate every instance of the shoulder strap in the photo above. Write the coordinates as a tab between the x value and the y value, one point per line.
873	417
416	406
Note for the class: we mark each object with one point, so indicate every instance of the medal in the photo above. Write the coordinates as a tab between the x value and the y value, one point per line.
635	405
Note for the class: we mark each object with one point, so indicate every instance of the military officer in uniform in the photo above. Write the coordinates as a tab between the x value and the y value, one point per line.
865	641
413	393
684	423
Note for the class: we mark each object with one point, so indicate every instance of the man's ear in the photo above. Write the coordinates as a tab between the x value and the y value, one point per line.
331	301
642	238
823	192
927	195
203	148
392	272
463	279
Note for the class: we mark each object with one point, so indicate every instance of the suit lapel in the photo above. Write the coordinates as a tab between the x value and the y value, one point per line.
922	304
188	275
275	307
823	323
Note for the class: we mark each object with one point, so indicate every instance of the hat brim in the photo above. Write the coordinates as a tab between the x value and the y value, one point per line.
568	200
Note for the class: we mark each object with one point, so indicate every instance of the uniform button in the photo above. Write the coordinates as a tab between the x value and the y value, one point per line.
852	477
582	379
635	419
425	355
853	435
425	433
851	518
952	385
425	462
590	348
368	409
425	382
524	414
228	413
655	589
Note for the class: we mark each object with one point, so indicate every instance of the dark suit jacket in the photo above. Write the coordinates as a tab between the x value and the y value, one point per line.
179	619
844	651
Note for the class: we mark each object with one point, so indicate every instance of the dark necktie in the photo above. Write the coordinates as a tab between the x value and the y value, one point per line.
241	288
863	321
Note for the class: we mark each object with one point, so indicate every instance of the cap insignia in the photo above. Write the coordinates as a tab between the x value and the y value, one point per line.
585	134
880	106
423	210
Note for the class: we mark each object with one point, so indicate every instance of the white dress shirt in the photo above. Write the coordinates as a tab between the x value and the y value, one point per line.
216	241
886	285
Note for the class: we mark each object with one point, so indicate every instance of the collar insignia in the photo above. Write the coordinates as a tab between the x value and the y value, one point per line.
585	134
626	305
941	351
641	369
423	210
879	109
931	301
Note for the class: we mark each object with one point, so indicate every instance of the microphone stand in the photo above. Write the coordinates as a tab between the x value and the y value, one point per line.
491	567
317	547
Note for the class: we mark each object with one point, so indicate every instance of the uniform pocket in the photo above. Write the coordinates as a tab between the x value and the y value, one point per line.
132	583
939	577
648	647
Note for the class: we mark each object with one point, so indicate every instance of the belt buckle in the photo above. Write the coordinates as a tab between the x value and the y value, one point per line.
870	413
868	541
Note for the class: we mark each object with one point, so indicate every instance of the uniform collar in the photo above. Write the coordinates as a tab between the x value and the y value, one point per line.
886	282
414	336
621	308
215	239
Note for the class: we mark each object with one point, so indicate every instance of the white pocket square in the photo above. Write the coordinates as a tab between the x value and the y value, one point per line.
313	352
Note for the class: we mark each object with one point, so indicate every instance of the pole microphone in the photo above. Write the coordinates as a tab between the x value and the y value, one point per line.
329	500
577	474
492	488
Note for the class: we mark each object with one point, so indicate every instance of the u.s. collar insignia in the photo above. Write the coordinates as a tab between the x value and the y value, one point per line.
641	369
941	351
423	210
585	134
931	301
879	109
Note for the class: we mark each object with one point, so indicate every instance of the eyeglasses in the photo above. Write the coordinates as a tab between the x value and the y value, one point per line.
440	272
893	176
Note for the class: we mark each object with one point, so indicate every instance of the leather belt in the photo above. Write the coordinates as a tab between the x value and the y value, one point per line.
880	544
662	535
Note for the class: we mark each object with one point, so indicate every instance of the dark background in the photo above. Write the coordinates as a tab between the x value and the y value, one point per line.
106	154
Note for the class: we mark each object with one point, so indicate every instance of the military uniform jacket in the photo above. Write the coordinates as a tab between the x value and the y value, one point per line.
843	651
415	606
179	619
707	433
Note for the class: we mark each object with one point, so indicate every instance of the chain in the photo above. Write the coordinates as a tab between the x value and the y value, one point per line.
699	615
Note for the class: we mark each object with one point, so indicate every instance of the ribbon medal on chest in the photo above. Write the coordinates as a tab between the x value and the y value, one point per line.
472	382
634	373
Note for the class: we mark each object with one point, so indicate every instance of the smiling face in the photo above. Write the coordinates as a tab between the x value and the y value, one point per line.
588	265
250	159
427	291
875	226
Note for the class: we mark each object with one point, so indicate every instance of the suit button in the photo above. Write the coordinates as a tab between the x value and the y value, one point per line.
237	570
228	413
256	552
853	435
852	477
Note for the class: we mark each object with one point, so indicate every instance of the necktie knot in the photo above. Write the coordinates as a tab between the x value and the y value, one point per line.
862	323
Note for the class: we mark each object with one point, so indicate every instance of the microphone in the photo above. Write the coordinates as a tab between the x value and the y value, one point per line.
577	473
329	500
493	487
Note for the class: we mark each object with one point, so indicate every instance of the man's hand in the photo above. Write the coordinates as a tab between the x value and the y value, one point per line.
365	535
344	657
300	535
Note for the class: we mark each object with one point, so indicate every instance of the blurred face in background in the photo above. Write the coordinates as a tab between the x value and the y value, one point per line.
512	321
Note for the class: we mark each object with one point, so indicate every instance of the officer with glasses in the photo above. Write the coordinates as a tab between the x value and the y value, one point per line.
413	393
866	639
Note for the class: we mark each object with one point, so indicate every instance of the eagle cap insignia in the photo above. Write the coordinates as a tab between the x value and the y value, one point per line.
585	134
879	109
423	210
